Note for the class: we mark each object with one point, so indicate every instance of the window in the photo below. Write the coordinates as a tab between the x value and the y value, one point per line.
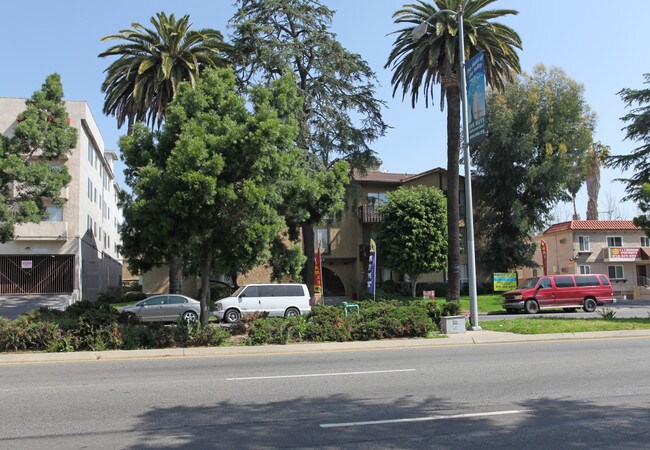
614	241
90	190
91	152
645	241
604	280
376	198
535	273
89	223
564	282
160	300
95	195
322	238
615	272
591	280
584	243
250	291
176	300
265	291
55	214
585	269
545	283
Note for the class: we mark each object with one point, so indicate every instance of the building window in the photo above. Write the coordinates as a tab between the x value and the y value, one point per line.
645	241
90	190
585	270
376	198
94	228
91	153
95	196
322	239
535	273
614	241
55	214
615	272
89	223
584	243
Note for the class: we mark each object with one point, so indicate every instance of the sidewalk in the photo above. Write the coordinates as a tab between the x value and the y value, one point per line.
482	337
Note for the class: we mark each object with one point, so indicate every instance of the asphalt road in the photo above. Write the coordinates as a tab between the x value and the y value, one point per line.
584	393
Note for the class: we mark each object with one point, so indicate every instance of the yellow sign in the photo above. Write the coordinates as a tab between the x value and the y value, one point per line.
505	282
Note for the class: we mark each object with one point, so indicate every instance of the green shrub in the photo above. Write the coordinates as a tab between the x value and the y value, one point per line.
24	334
107	298
326	323
133	296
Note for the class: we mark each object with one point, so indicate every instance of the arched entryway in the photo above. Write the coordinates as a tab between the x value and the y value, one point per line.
332	284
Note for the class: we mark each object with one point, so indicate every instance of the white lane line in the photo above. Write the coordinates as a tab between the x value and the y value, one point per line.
423	419
337	374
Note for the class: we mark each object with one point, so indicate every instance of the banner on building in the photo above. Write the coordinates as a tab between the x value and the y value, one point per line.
372	267
477	122
544	248
318	278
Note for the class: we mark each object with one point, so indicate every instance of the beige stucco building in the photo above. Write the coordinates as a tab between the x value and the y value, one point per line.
75	251
616	248
344	241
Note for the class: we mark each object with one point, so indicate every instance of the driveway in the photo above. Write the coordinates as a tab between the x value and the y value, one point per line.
11	306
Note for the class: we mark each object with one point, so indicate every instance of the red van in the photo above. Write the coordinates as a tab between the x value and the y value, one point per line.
568	292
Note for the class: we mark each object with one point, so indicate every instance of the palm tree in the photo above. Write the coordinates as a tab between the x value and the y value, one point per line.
597	156
151	62
433	60
142	81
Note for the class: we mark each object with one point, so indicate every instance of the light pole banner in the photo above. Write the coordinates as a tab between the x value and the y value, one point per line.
543	247
372	267
476	99
318	278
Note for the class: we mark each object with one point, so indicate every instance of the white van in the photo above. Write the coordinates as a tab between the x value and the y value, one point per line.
279	300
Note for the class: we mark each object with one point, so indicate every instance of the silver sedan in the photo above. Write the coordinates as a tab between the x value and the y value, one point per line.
166	308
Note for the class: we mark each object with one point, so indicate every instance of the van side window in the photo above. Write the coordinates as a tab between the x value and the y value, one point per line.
545	283
294	290
591	280
604	280
564	282
250	291
266	291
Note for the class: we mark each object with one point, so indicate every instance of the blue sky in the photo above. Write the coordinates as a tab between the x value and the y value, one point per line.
603	47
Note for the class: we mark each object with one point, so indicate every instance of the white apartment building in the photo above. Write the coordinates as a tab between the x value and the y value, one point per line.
74	252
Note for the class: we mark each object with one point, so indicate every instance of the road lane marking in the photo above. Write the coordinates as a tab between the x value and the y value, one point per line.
335	374
423	419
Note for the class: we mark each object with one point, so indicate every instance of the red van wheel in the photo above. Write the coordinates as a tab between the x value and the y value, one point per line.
589	305
531	307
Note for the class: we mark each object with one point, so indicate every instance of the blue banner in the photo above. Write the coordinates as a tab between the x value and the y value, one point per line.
372	267
477	123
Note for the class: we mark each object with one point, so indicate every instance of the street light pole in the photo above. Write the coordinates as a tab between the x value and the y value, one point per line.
416	34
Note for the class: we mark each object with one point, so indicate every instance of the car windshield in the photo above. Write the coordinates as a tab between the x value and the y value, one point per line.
528	283
237	292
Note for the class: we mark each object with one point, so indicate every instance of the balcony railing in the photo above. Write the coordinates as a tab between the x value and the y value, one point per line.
369	214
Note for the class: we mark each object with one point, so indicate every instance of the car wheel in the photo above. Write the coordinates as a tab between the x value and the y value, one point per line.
569	309
589	305
190	316
291	312
232	316
531	307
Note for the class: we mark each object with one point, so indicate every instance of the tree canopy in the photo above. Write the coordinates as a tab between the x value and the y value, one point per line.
225	173
637	130
537	129
339	116
30	178
413	232
419	65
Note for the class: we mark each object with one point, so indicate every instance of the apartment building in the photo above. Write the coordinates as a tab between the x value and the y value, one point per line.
617	248
74	252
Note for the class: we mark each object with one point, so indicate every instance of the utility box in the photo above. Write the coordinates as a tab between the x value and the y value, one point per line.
452	324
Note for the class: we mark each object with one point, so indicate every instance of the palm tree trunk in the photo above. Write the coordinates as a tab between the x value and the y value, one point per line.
453	205
308	250
175	274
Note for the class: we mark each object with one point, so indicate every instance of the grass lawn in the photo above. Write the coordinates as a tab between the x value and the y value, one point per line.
486	303
541	325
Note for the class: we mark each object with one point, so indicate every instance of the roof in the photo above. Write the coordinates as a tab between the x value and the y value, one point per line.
378	176
593	225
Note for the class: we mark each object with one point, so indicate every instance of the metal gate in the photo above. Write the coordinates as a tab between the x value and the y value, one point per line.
36	274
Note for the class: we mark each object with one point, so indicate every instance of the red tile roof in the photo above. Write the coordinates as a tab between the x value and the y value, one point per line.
617	225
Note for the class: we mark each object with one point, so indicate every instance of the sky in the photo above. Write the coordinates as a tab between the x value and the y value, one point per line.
603	45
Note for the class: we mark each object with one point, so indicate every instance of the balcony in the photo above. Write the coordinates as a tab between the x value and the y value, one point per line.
369	214
42	231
